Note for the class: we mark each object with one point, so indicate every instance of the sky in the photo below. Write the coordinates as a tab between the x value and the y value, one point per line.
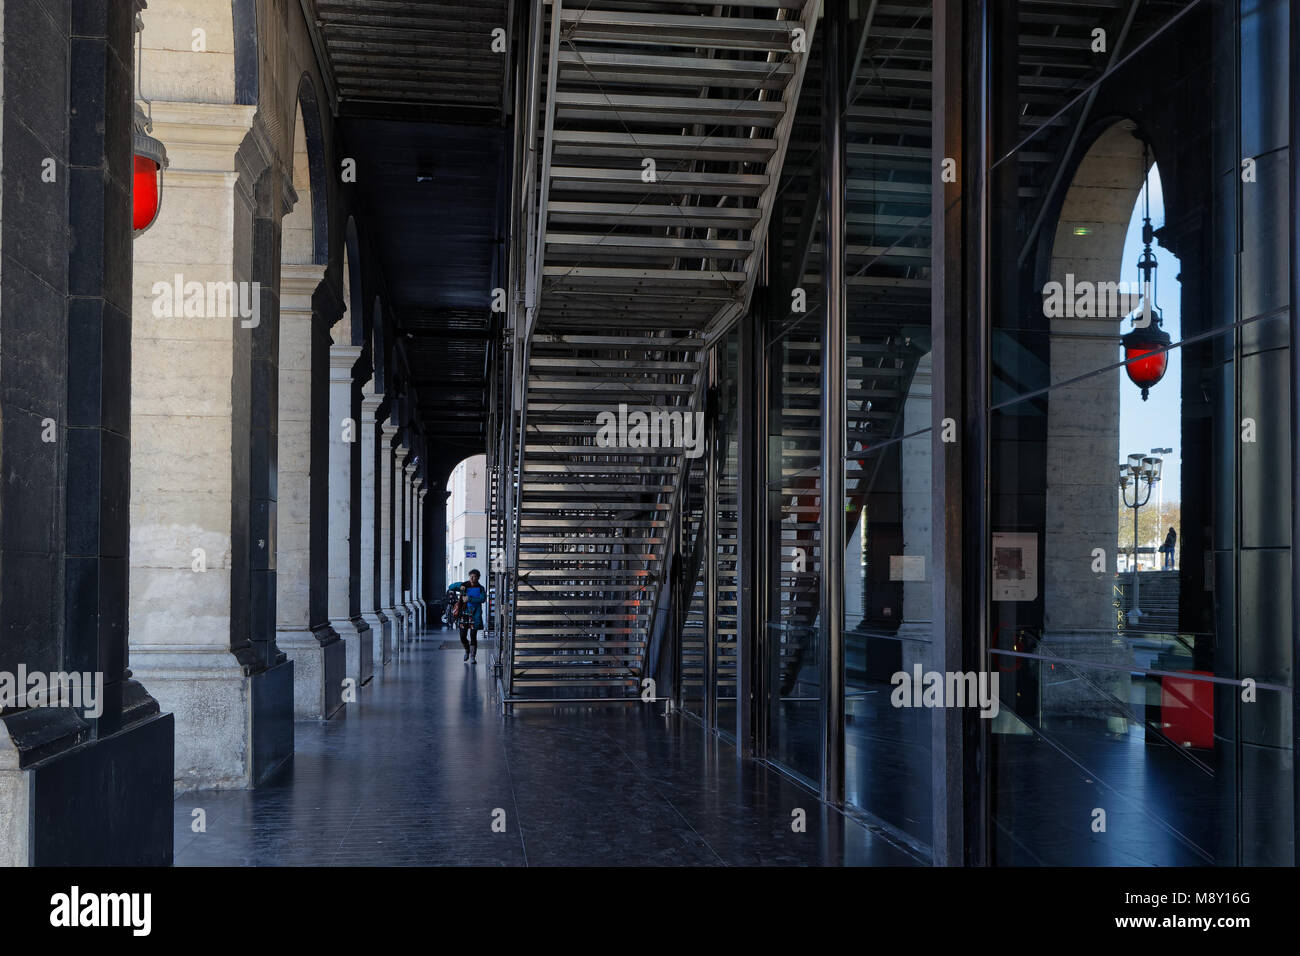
1155	423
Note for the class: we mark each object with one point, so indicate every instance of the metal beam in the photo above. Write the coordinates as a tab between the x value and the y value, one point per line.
833	408
1294	328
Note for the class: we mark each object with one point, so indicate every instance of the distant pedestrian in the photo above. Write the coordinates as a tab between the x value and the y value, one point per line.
469	617
1167	549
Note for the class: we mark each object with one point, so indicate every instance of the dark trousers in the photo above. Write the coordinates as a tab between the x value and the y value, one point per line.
471	643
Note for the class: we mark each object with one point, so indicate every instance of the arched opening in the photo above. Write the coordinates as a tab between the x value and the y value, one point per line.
466	545
1153	426
297	240
1084	304
305	229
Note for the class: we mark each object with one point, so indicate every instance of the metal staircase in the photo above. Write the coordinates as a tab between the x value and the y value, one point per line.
660	141
661	128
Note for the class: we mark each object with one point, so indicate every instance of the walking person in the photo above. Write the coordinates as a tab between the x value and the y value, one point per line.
470	616
1171	539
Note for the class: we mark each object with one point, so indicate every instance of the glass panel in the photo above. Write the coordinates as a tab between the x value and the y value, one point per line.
1126	614
888	573
1143	784
794	516
1095	648
791	673
887	566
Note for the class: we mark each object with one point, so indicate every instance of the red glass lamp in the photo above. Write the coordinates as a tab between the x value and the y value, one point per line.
1146	356
146	181
1146	347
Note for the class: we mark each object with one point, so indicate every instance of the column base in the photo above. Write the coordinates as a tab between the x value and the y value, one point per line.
378	654
318	670
233	730
398	617
414	628
357	662
101	802
424	614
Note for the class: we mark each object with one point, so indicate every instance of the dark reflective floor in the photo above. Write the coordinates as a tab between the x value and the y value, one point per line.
417	772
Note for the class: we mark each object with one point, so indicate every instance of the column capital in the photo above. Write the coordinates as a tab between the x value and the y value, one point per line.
400	452
297	286
369	406
417	482
342	358
410	468
389	430
423	492
200	137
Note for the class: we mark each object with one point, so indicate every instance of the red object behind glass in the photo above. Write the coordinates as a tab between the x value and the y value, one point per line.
1187	710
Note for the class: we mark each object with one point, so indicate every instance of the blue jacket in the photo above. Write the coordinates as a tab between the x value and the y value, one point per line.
473	595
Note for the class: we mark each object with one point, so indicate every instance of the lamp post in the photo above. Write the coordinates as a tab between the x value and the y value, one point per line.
1137	471
1160	495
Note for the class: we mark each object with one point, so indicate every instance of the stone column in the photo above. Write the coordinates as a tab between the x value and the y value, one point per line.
182	514
313	646
82	782
407	628
408	526
417	553
343	431
370	599
386	536
424	554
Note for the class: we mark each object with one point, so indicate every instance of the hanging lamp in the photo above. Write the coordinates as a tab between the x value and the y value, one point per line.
1146	347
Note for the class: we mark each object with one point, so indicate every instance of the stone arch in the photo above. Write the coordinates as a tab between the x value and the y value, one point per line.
305	230
1083	418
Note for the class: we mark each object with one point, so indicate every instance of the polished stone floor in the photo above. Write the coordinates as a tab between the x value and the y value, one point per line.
420	770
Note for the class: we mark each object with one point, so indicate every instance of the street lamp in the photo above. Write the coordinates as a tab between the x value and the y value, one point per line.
1160	496
1139	470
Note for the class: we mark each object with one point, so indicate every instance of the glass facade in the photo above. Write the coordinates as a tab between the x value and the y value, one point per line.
1057	335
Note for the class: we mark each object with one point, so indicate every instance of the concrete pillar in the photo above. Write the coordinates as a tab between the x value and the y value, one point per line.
408	529
380	627
355	632
400	453
313	645
182	514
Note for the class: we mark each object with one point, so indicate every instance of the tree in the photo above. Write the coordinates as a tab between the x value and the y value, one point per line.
1152	528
